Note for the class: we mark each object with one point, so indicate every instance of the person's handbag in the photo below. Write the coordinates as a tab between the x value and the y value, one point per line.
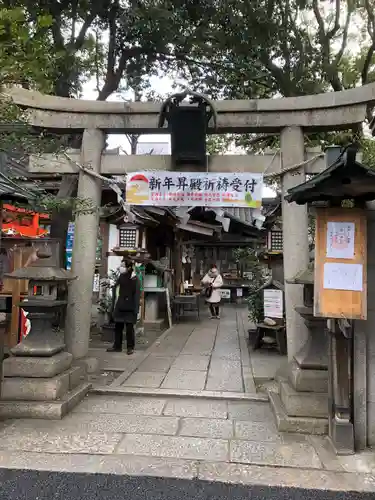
209	289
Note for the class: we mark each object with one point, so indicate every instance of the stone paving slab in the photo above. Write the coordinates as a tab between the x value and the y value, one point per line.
256	412
117	404
175	447
145	379
155	363
190	362
196	408
260	453
102	422
206	427
256	431
224	375
108	464
51	442
184	379
324	450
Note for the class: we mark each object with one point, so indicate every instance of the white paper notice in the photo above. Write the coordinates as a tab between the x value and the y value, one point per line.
273	303
339	276
340	240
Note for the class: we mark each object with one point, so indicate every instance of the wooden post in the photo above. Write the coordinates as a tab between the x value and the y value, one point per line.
16	295
143	304
178	262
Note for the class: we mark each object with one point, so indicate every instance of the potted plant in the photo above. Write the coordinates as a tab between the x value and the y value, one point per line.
249	256
105	305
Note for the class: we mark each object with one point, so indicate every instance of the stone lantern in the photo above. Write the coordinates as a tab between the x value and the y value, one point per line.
39	379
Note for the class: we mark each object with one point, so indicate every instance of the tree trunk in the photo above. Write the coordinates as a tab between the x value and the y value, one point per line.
60	218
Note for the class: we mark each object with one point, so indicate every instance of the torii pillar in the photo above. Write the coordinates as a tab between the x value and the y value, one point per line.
295	236
78	319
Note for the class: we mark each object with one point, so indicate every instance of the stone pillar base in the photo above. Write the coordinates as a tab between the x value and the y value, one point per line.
90	364
41	387
300	411
154	325
342	436
307	380
302	425
301	403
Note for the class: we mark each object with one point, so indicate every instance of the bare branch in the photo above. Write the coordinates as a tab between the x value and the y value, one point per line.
331	33
83	31
344	40
318	18
370	19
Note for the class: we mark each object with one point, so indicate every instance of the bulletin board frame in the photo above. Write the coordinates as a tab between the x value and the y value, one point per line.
332	303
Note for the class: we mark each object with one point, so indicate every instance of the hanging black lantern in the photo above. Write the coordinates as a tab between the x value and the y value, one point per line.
188	124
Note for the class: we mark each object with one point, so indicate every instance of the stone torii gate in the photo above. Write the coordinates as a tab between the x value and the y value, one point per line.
289	117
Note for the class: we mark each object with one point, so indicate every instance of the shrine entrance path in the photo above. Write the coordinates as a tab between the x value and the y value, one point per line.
200	358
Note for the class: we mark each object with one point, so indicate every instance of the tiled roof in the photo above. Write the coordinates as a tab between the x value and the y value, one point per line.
10	188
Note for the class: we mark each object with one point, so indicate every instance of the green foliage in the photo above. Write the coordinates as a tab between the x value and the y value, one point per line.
258	279
368	151
105	303
26	54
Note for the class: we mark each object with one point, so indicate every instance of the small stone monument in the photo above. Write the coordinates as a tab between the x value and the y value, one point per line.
39	379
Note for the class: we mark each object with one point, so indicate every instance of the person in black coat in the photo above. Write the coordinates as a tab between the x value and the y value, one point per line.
126	308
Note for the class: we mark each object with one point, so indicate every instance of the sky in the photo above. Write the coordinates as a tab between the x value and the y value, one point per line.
162	85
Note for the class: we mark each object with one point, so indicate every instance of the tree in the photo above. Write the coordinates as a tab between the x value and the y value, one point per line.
289	48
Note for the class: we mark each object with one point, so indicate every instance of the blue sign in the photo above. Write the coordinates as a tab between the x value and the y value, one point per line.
69	246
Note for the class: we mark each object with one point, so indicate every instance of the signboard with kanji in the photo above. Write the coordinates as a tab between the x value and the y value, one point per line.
340	281
194	189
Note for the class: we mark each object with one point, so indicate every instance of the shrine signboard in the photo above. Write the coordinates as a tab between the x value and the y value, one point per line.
197	189
340	263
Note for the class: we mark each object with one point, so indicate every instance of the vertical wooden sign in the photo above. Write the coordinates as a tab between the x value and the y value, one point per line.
340	263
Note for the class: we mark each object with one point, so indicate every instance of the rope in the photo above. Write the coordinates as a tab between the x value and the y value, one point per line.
295	166
113	184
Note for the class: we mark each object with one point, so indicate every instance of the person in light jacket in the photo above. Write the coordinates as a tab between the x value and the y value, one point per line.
212	282
126	309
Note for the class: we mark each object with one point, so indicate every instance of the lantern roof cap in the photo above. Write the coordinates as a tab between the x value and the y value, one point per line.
42	273
344	179
304	277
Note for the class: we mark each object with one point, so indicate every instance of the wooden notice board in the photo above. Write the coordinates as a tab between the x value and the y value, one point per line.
340	263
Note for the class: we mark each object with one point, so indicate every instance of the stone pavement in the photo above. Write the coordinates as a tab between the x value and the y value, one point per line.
208	357
216	440
189	417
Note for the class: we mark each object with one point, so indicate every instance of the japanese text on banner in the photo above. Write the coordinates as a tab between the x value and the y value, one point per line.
194	189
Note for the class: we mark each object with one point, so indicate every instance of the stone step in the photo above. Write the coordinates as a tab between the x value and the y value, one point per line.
41	389
154	325
301	425
37	367
179	393
51	410
303	404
